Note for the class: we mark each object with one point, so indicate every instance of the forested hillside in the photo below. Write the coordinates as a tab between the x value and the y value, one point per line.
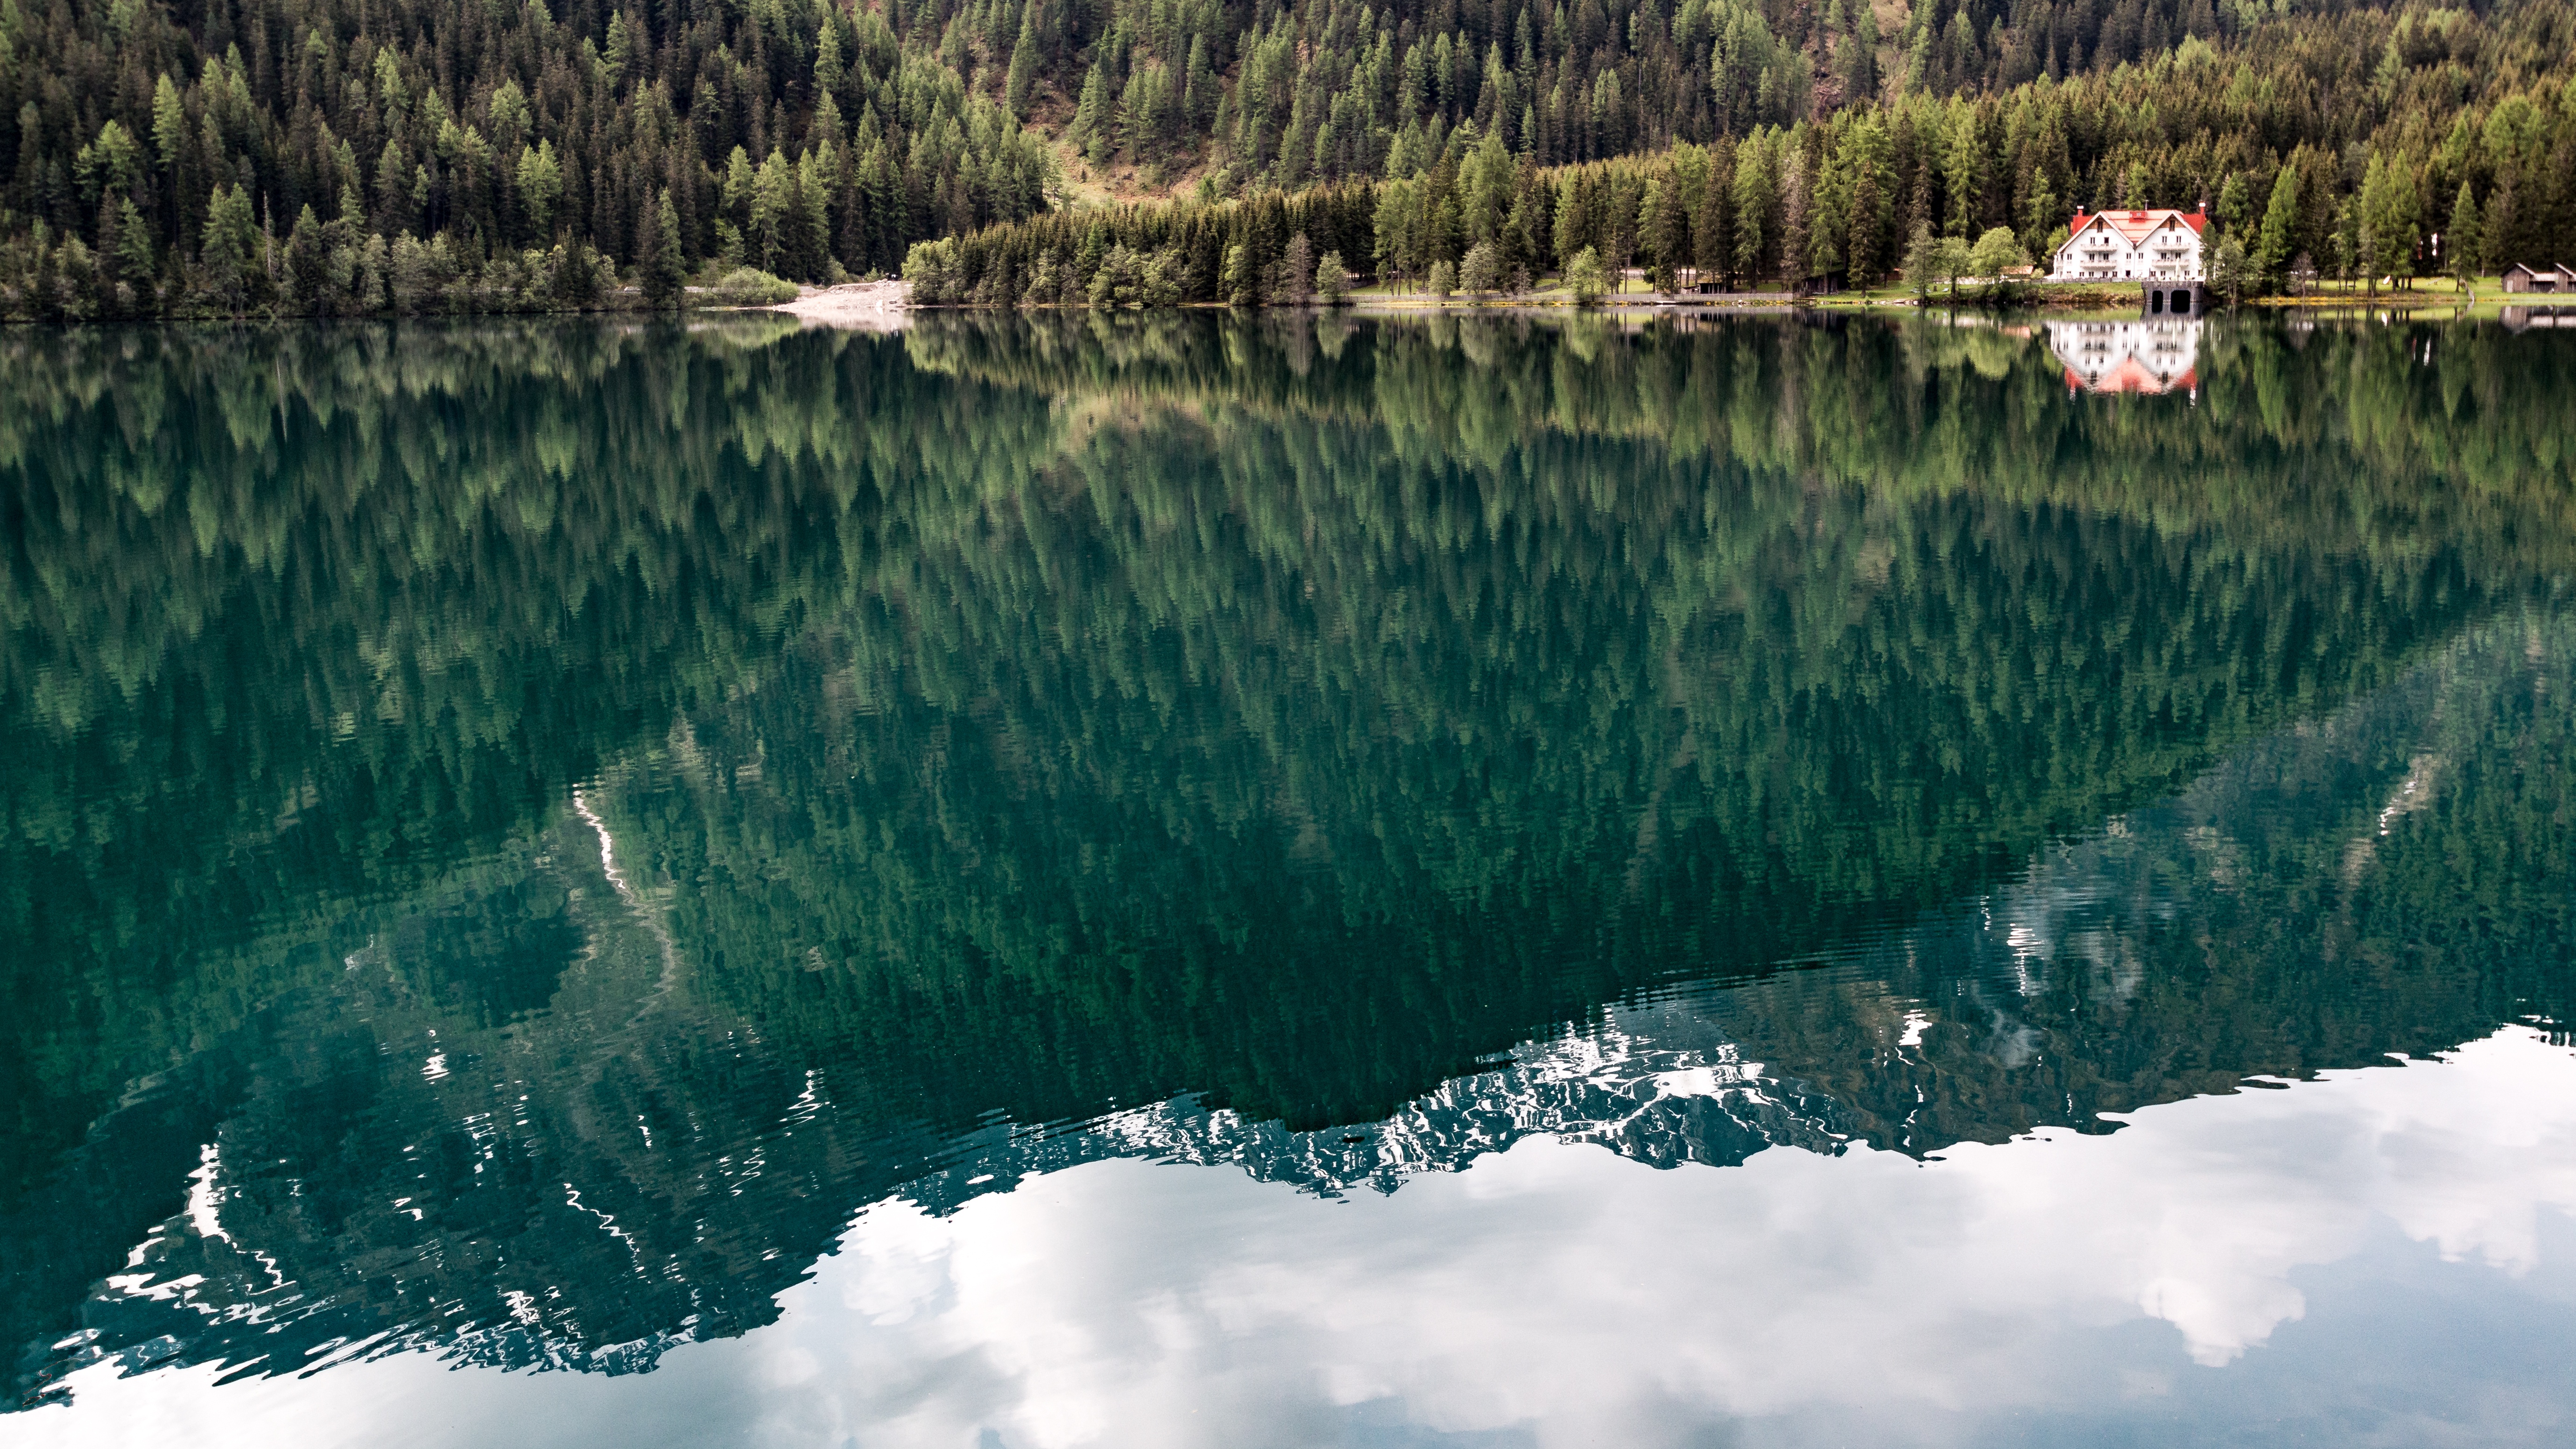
2360	143
359	156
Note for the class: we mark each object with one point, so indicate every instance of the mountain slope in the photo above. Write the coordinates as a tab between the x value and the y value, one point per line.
232	154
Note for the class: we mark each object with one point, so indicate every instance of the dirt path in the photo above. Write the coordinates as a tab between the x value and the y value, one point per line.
868	306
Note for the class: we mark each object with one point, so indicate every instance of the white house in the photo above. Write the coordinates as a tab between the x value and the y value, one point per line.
2129	246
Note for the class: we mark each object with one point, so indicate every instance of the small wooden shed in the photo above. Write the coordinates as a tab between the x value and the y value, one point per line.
2523	277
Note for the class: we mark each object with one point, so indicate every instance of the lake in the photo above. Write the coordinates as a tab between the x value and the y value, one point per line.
1173	879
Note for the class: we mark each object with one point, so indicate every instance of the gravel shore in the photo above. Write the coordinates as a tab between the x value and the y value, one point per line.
868	306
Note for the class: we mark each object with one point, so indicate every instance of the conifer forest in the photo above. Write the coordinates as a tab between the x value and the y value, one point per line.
365	157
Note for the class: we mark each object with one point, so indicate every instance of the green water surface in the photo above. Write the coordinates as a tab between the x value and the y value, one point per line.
512	835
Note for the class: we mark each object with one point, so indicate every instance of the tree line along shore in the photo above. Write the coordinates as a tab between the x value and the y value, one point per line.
403	157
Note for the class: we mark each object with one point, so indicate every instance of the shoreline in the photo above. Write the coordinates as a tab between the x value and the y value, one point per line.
858	306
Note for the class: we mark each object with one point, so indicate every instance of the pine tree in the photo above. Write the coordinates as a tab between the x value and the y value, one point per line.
1796	243
308	264
2279	241
1860	253
2388	218
659	262
1090	126
1024	64
133	249
1296	269
2045	222
108	261
512	127
540	182
2497	226
231	234
2235	203
2464	242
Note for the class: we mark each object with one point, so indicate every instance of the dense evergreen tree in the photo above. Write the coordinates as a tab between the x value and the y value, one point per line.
505	146
2304	150
817	140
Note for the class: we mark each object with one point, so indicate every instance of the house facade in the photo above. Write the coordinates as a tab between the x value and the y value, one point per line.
2524	278
2156	244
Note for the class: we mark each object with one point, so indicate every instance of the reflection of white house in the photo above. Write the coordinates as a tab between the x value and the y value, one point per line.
2140	357
2123	246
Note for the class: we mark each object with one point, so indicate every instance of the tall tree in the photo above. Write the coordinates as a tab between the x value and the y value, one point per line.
2464	241
2388	218
2280	236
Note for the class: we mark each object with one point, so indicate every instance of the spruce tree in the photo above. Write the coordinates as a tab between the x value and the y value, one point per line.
2388	217
1024	64
2464	243
2279	241
659	265
513	127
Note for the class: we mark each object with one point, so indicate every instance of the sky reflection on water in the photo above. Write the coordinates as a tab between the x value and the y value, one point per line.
2302	1254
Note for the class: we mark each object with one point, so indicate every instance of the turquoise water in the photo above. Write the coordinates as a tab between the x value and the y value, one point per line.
1178	880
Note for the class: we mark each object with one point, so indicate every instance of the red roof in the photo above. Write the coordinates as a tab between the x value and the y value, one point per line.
2136	224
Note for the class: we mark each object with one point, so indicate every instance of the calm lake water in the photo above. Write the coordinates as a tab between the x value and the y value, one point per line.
1182	881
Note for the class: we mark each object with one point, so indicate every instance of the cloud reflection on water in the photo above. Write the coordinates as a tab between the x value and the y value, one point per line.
1560	1294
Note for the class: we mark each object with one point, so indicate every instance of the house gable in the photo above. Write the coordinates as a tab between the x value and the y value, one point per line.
2132	244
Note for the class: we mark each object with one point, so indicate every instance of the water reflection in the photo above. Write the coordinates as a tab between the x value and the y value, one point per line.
2523	319
2064	1289
555	821
2143	357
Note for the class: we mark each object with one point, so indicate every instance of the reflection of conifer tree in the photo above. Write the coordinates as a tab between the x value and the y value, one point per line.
1045	714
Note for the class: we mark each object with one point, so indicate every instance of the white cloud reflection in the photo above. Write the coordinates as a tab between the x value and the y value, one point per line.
1559	1294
